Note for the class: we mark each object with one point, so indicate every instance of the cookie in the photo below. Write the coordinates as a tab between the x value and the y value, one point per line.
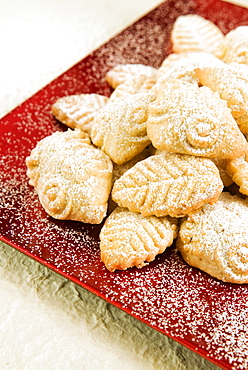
185	68
194	120
235	46
120	127
71	176
128	239
238	170
123	72
221	164
215	239
194	33
170	60
78	111
139	84
168	184
231	82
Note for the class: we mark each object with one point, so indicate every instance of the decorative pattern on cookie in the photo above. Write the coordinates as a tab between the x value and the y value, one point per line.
120	127
123	72
238	169
128	239
139	84
168	184
120	169
71	176
192	32
231	82
235	46
193	120
78	111
215	239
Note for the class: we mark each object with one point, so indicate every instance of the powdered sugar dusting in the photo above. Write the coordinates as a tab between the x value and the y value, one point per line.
206	315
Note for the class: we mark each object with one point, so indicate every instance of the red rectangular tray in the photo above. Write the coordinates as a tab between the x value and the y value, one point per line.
208	316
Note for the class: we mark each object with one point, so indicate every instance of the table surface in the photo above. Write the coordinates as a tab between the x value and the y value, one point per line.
45	320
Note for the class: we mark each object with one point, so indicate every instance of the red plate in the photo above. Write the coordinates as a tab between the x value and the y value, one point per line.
200	312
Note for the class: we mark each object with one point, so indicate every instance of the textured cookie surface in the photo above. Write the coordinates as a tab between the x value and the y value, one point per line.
184	68
215	239
128	239
231	82
120	127
139	84
78	111
123	72
72	178
238	170
193	120
235	46
168	184
192	32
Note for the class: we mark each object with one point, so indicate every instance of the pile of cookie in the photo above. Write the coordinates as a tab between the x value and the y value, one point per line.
159	155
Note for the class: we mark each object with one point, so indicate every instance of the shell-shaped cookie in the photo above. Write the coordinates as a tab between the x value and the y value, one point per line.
231	82
193	120
192	32
235	46
168	184
185	68
139	84
78	111
123	72
238	169
128	239
215	239
120	127
72	178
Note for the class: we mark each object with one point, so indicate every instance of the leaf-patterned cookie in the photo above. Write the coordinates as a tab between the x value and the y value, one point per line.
78	111
123	72
192	32
168	184
128	239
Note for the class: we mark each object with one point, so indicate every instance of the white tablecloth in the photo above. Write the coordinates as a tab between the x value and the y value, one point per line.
47	322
